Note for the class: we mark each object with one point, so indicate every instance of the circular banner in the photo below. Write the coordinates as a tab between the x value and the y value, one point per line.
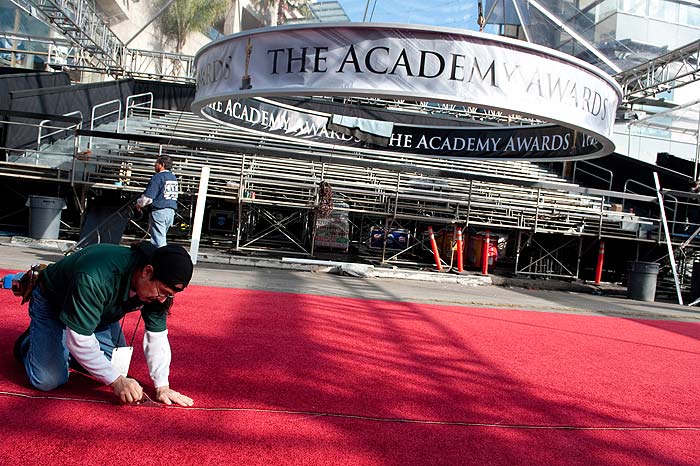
576	100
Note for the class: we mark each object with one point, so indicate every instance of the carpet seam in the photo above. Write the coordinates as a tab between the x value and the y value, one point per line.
377	419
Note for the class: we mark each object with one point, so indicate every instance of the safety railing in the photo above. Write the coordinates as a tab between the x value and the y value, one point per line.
148	104
626	187
607	180
104	104
42	124
21	160
672	211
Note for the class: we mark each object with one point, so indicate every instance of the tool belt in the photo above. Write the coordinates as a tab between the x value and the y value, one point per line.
24	285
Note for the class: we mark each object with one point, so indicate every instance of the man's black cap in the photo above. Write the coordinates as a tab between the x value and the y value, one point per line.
172	265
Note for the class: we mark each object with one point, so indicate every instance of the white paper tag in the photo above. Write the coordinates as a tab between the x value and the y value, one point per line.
121	358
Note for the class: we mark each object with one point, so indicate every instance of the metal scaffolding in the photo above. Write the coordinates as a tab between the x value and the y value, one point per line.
92	46
669	71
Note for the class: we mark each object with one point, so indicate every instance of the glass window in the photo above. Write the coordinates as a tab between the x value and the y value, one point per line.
663	10
604	9
689	14
655	132
637	7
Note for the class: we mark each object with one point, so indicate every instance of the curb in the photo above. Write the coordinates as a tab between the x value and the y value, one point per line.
60	245
346	269
358	270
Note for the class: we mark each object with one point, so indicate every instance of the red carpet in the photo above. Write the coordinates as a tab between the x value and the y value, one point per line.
306	380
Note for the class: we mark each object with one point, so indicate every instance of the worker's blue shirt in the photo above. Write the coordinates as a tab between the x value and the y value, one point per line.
163	189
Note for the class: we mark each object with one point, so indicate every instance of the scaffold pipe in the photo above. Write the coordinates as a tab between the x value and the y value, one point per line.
485	253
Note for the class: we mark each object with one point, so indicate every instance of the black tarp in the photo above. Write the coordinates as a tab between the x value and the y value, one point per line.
105	222
677	164
11	70
626	168
11	81
168	96
52	94
61	100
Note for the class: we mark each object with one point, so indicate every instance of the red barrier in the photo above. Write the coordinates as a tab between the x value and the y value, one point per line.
433	245
460	251
485	253
599	265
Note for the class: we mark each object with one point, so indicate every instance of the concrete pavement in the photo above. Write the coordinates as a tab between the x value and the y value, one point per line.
312	277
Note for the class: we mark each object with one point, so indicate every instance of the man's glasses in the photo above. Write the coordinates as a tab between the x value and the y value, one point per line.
162	294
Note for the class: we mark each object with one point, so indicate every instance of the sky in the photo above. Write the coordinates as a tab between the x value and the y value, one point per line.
459	14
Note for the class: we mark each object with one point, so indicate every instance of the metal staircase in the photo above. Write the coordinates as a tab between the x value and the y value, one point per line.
78	21
97	48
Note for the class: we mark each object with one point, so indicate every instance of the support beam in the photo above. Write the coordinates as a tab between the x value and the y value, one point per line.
522	20
199	213
577	37
148	23
669	246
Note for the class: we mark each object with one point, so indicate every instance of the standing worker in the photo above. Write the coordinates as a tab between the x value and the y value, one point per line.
161	195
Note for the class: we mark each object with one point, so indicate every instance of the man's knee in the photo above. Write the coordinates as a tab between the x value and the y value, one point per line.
48	381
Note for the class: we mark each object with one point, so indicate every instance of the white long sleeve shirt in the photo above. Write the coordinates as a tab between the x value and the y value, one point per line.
143	201
86	351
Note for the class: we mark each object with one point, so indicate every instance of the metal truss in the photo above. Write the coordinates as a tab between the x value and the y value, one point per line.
548	259
672	70
277	232
438	108
159	65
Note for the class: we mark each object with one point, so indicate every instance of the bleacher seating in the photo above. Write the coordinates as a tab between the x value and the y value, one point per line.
493	194
499	195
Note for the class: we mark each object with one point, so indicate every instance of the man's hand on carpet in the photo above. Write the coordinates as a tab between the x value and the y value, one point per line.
128	390
168	396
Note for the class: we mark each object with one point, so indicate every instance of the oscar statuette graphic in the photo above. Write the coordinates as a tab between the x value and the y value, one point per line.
245	80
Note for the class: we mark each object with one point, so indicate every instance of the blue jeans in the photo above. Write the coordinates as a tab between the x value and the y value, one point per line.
161	220
44	351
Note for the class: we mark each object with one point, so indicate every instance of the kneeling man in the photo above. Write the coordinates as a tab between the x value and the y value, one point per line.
76	307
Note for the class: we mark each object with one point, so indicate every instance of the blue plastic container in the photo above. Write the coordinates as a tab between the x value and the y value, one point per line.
7	279
397	238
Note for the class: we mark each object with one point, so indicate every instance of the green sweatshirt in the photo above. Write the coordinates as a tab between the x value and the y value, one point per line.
90	288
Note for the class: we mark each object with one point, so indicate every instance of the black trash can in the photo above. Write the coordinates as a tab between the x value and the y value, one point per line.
104	224
641	280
